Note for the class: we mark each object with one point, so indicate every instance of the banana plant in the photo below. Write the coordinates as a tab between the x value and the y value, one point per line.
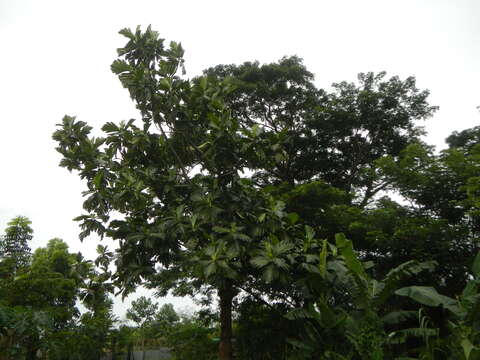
464	339
363	317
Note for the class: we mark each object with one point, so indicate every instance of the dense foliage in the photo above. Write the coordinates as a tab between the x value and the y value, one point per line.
318	221
240	181
39	295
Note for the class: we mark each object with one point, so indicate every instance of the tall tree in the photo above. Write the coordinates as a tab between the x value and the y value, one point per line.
442	220
180	225
207	183
334	136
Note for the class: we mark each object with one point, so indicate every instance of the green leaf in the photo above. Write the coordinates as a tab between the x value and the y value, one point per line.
298	314
428	296
97	180
309	232
110	127
476	266
470	289
280	263
268	274
127	33
351	260
256	130
259	261
220	230
341	241
397	317
323	259
196	196
299	344
165	84
179	211
210	269
242	237
293	218
376	287
467	347
193	220
120	66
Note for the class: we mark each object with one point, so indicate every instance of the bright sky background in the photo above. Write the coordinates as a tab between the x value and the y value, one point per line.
55	59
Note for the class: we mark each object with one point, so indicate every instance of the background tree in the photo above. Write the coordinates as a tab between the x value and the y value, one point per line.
38	294
96	325
165	320
22	328
443	213
142	312
14	243
333	136
191	339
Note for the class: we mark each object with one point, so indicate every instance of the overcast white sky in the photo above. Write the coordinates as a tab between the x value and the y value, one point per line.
55	58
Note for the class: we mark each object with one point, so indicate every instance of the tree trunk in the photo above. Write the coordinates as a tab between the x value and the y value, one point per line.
31	350
31	354
114	347
143	348
130	352
226	294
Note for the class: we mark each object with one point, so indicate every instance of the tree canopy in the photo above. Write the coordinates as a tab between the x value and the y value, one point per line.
241	180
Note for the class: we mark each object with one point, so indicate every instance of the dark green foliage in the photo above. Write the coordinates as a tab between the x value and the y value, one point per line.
262	331
38	311
14	244
314	134
462	341
465	139
124	339
22	329
240	181
190	340
142	311
165	321
443	217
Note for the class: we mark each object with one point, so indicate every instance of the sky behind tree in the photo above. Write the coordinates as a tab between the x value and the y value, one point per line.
56	58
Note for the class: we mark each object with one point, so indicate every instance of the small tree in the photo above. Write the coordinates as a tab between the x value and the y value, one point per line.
165	319
142	313
15	241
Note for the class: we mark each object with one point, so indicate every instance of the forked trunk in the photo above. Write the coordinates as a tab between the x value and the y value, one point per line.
226	294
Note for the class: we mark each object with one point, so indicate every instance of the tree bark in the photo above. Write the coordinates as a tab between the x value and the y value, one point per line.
226	294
